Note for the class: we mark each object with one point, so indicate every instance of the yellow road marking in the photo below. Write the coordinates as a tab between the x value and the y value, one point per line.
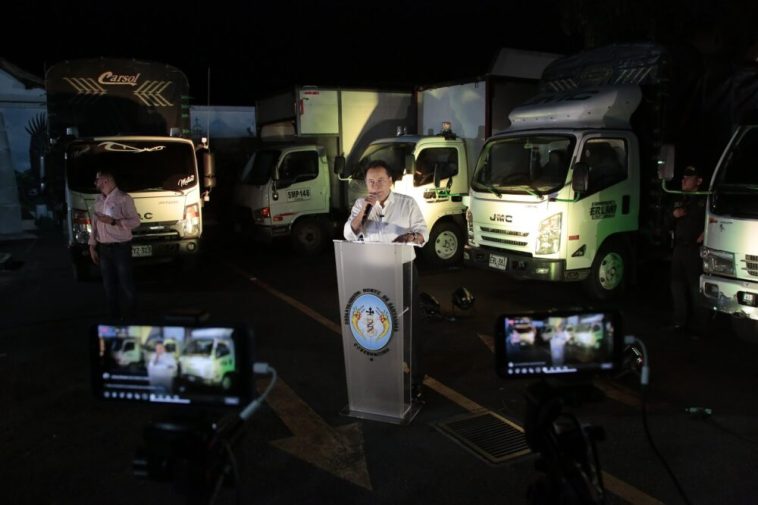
338	451
616	486
289	300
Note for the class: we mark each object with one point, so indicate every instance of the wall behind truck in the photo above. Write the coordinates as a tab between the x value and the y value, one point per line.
476	109
369	115
464	105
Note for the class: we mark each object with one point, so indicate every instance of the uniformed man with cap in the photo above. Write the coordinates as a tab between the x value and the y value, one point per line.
688	223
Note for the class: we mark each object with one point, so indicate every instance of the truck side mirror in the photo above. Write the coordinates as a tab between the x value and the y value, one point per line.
581	176
209	164
410	164
339	165
666	157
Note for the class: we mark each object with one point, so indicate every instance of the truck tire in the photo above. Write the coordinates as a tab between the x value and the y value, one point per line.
309	236
608	275
445	247
227	381
745	329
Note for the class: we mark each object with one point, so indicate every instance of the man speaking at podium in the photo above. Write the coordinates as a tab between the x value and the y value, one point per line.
384	216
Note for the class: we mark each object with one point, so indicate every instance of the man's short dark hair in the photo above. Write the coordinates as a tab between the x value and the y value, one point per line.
379	164
107	173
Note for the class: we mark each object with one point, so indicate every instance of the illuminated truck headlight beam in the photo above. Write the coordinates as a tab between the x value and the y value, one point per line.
192	220
549	235
717	262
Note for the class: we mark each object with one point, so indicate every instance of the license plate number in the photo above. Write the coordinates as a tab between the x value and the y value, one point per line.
140	251
498	262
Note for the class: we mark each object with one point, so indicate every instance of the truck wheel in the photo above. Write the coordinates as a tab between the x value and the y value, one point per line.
607	279
309	236
746	329
226	382
445	247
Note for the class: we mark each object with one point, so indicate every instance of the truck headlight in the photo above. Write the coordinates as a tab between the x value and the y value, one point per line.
470	225
81	226
717	262
192	219
549	235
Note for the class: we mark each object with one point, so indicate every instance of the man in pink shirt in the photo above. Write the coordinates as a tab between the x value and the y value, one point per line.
110	244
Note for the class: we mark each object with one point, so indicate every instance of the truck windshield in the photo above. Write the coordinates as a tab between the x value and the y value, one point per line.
260	167
136	166
392	153
736	185
199	347
524	164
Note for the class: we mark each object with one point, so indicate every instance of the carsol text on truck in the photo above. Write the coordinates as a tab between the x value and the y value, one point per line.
570	191
128	117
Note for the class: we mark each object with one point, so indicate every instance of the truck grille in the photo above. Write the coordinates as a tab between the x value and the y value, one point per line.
156	231
509	237
751	264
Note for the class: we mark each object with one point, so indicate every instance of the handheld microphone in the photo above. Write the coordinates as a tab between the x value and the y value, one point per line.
365	214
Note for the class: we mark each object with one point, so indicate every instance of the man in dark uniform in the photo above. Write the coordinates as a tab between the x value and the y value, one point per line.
688	223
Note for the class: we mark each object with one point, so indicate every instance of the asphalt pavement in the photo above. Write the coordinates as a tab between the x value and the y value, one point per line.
60	445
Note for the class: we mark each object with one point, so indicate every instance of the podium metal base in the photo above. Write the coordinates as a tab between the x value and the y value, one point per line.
408	416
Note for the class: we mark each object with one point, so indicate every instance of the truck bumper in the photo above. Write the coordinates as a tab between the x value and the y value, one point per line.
267	234
520	267
245	223
730	296
147	249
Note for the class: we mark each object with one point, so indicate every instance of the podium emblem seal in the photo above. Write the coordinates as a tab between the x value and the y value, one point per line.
370	322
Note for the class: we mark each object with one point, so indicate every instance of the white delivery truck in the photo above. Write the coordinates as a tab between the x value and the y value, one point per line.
290	187
570	191
454	119
131	118
208	359
729	282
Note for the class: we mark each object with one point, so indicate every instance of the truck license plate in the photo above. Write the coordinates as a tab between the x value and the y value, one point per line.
140	251
498	262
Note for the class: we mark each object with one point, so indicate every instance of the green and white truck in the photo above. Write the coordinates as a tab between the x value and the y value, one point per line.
570	191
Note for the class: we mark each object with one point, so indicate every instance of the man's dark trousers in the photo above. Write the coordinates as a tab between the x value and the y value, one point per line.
118	278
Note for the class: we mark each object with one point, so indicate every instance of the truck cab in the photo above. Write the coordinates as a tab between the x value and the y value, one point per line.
284	190
529	215
289	186
208	361
435	174
729	282
160	174
128	117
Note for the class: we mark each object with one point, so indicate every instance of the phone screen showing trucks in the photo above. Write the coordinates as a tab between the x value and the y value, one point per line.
171	364
553	344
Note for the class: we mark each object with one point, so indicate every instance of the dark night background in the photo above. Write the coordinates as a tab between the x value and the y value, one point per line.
256	48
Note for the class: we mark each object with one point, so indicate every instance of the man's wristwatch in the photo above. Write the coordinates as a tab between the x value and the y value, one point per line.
113	221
